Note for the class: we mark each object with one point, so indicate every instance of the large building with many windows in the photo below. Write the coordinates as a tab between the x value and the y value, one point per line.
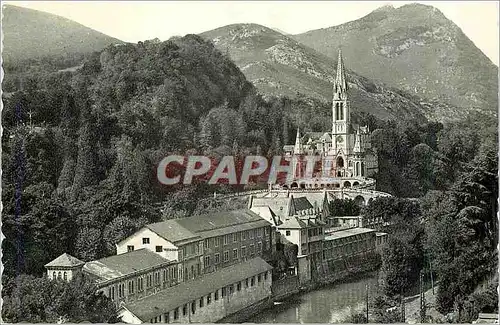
206	299
196	269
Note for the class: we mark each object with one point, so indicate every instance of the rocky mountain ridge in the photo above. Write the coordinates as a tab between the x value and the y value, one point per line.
279	65
417	49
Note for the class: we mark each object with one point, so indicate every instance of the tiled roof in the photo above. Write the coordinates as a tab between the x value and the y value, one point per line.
279	205
302	203
201	223
347	233
117	266
176	296
65	260
313	135
172	231
267	214
208	225
313	197
293	223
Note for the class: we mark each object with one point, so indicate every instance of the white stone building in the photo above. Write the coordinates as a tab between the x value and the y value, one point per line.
345	152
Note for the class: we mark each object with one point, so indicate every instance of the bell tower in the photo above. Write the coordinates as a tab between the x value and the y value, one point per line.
340	109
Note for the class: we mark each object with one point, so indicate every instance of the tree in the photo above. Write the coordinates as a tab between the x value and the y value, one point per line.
33	300
120	228
344	207
81	302
42	231
461	224
88	245
86	164
392	209
403	256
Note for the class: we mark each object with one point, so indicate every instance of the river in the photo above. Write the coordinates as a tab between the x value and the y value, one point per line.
330	304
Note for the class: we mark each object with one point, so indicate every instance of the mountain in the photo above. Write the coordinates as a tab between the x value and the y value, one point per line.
415	48
279	65
32	34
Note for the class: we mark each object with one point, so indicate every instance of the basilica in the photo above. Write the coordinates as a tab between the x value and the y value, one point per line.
345	153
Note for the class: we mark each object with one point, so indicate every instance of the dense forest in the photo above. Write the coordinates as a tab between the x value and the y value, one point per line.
80	150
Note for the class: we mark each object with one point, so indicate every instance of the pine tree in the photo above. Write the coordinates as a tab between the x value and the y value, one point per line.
86	163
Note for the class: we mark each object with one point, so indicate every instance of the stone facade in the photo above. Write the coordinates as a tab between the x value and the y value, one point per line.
206	299
346	151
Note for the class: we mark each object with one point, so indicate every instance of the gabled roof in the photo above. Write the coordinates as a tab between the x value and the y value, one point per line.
283	206
293	223
176	296
207	225
302	203
172	231
65	260
206	222
279	205
267	214
121	265
316	137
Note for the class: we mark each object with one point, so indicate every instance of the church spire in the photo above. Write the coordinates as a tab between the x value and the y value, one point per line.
340	84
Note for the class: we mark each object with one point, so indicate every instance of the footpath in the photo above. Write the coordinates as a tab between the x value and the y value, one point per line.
412	308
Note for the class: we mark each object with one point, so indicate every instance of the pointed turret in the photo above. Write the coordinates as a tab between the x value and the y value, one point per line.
340	84
325	211
357	143
290	207
298	144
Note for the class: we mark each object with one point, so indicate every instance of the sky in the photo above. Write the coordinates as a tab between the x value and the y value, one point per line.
133	21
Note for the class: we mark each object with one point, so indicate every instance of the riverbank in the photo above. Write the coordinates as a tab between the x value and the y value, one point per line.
246	313
329	303
346	278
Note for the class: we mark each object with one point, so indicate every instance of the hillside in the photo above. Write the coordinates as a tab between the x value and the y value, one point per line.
277	64
415	48
32	34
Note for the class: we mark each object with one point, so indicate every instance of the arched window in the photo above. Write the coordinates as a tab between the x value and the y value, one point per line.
340	162
65	276
53	275
362	169
58	275
341	111
357	168
337	111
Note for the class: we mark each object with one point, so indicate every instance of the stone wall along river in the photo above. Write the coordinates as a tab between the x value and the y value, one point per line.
330	304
